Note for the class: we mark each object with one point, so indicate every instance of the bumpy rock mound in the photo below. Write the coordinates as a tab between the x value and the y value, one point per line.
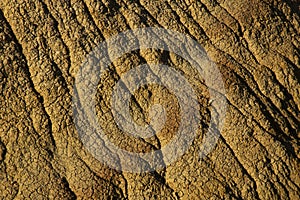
255	45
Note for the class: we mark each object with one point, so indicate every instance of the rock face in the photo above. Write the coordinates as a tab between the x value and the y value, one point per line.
256	46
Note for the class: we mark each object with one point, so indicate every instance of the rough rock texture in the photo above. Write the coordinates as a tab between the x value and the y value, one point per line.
256	46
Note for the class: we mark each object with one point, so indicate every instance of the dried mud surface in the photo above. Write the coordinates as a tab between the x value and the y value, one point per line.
254	43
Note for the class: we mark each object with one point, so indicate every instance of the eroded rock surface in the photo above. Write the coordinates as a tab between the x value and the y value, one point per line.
256	46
